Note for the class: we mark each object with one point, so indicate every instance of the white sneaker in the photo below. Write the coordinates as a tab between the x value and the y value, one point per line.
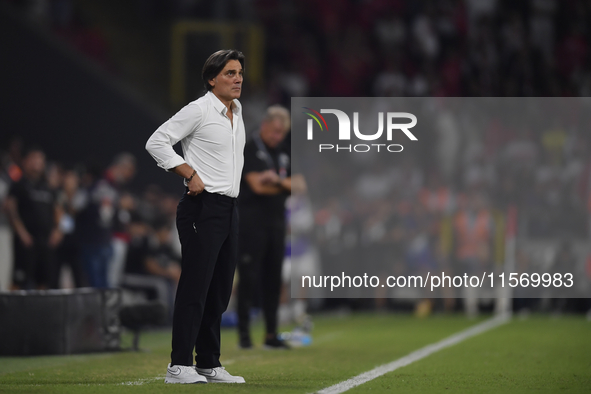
219	375
183	374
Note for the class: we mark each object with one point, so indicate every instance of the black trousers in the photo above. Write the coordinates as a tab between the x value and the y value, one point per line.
260	261
34	266
68	253
208	230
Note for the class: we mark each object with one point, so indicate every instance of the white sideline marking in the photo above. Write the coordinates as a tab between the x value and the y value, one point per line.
416	355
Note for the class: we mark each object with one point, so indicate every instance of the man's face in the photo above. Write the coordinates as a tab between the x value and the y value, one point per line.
71	181
227	85
126	171
273	132
34	164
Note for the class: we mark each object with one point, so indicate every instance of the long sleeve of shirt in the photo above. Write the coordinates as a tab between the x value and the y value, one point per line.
182	124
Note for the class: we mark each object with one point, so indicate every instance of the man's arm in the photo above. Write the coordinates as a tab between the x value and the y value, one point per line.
267	183
172	271
16	222
56	235
160	144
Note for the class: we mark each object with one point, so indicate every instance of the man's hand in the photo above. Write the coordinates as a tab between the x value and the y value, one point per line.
25	237
269	177
55	238
297	184
196	186
267	182
174	271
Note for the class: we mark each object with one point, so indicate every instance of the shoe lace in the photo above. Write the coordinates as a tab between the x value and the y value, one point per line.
186	368
222	370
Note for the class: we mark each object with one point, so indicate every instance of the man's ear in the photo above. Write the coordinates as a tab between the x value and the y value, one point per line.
211	83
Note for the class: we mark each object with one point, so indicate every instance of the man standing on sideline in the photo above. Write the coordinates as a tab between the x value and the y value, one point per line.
211	131
266	186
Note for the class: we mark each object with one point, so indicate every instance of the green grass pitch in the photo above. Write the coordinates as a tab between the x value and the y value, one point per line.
539	354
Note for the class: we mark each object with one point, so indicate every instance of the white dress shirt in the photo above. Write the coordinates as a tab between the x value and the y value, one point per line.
212	145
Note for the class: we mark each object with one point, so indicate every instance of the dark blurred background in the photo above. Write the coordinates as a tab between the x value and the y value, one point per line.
105	74
88	80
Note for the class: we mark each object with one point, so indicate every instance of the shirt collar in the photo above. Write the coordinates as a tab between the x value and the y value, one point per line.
220	107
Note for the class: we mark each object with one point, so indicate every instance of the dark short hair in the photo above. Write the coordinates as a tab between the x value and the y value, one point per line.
216	63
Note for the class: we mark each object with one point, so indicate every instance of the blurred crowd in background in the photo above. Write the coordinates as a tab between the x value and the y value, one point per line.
84	226
378	47
416	208
450	201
